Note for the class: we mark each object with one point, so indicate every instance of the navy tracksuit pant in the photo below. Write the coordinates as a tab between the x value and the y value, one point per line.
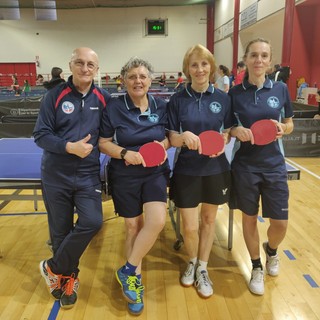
70	238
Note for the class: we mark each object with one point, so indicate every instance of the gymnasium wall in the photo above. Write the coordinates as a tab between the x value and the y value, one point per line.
118	33
115	34
305	45
269	25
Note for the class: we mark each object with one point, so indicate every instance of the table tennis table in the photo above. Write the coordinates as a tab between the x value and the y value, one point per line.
20	162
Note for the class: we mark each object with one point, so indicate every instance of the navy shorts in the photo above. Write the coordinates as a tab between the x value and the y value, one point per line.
271	187
189	191
129	193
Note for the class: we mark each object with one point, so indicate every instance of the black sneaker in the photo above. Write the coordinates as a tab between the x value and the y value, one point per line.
53	280
69	292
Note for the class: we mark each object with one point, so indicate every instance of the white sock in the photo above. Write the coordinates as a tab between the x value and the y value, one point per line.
202	266
193	260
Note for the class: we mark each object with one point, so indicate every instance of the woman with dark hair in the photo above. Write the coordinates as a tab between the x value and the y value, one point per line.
15	85
223	81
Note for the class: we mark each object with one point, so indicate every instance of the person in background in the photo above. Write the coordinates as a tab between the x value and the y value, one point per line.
15	85
130	121
180	82
67	129
273	72
241	71
199	179
223	81
259	172
39	80
56	78
26	87
119	83
317	116
162	81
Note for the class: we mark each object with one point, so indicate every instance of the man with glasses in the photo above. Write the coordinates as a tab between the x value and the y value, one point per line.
67	130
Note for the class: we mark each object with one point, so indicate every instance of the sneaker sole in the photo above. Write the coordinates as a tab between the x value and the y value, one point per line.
203	296
257	293
44	276
67	306
135	313
272	274
124	295
186	285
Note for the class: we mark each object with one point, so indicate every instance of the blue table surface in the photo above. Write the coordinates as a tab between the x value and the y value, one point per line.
20	158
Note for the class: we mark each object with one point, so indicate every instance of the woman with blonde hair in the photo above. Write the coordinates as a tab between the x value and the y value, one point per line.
198	179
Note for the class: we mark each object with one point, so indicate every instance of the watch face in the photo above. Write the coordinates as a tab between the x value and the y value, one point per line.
123	153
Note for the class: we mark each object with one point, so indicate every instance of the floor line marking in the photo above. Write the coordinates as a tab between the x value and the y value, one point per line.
303	168
309	279
54	311
289	255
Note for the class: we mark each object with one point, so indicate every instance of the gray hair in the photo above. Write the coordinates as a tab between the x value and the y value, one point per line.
136	62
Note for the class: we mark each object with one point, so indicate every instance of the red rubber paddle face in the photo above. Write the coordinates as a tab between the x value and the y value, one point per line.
152	153
212	142
264	132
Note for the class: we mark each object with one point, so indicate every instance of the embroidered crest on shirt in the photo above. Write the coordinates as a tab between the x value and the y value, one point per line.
215	107
273	102
153	117
67	107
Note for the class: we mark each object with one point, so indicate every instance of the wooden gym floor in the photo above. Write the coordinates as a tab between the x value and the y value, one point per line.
294	294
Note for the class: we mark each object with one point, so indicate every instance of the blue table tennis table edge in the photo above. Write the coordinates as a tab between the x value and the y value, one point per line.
293	174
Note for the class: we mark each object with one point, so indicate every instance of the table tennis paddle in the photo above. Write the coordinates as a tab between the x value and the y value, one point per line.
153	153
264	132
212	142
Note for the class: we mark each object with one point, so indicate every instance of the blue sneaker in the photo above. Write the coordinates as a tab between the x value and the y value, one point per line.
137	308
129	285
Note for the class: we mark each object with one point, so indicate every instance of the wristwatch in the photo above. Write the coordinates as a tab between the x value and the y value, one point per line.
123	153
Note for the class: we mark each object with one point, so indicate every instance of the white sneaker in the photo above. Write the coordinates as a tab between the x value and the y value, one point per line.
204	284
256	284
272	262
187	278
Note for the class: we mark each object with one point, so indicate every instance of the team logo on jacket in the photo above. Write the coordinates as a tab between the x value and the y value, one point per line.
67	107
273	102
153	117
215	107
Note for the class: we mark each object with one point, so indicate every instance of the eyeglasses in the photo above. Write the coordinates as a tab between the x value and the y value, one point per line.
80	64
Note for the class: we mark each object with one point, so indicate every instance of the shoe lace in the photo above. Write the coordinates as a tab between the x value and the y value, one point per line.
204	280
131	282
139	291
273	261
71	285
257	275
189	270
55	279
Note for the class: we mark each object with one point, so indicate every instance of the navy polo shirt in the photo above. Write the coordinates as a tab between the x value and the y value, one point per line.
130	129
251	104
198	112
